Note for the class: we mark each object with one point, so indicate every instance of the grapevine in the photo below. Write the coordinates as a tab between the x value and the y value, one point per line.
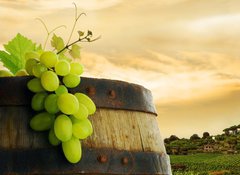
63	114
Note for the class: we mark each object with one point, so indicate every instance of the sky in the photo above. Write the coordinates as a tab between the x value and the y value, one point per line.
187	52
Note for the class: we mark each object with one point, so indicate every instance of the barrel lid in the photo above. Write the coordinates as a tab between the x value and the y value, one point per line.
105	93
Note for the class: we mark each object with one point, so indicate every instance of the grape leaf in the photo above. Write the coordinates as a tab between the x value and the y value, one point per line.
80	33
14	58
9	61
57	42
75	51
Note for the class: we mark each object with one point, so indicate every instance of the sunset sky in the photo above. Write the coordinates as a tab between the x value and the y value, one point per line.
187	52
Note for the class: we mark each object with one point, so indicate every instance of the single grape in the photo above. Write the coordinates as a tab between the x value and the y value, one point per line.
63	128
49	59
32	55
71	80
72	150
62	68
76	68
5	73
53	140
84	99
68	103
82	112
38	69
82	129
61	90
29	65
86	122
35	85
21	72
38	101
42	121
50	104
50	81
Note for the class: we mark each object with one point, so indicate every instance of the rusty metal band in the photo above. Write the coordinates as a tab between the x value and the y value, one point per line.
94	161
105	93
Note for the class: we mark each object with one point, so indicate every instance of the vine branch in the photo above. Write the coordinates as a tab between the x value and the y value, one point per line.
83	39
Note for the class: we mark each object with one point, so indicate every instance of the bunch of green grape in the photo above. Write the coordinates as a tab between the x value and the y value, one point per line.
65	115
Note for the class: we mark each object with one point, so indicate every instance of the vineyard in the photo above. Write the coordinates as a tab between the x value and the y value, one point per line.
205	164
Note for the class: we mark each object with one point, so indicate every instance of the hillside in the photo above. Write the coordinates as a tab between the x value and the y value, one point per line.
228	143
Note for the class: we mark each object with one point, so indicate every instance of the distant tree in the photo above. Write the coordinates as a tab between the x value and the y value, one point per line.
219	137
205	135
232	140
233	129
173	138
166	140
194	137
226	131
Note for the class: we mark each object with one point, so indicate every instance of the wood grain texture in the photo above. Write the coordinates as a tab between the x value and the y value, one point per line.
128	130
119	129
124	125
15	131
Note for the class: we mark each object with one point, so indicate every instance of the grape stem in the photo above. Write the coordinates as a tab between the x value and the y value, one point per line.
48	32
87	38
75	21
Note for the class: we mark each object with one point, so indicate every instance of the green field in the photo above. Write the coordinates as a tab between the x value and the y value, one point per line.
205	164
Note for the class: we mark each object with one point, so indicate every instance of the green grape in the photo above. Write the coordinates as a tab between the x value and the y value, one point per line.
29	65
82	112
82	129
84	99
50	81
31	55
71	80
63	128
53	140
49	59
38	69
35	85
42	121
76	68
68	103
21	72
5	73
86	121
72	150
50	104
61	90
62	68
73	119
38	101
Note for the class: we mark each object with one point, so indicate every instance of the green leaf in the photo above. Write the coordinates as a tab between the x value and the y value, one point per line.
9	61
57	42
75	51
17	48
80	33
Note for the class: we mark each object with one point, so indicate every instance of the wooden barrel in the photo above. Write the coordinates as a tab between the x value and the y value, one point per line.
126	138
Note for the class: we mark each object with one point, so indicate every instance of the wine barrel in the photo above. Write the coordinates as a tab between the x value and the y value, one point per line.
126	137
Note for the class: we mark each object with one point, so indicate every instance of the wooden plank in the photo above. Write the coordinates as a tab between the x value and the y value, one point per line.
119	129
128	130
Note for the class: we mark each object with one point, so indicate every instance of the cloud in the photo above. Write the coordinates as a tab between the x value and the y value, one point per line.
197	116
59	4
185	51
